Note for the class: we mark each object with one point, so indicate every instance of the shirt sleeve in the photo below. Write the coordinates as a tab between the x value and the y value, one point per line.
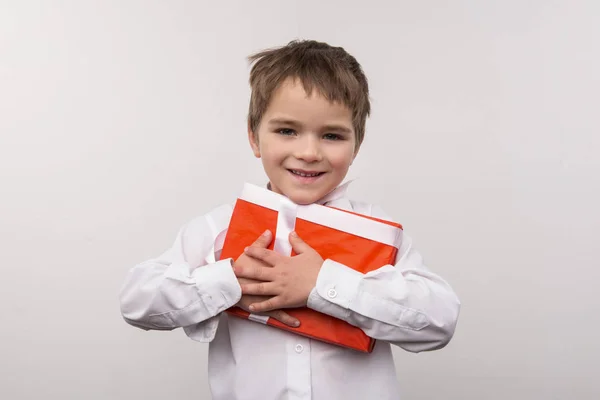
184	287
405	304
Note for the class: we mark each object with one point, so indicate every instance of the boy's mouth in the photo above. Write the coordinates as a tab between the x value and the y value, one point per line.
306	174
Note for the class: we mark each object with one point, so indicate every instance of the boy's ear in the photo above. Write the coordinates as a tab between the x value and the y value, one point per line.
253	139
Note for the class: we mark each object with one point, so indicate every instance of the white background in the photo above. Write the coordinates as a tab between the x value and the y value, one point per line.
121	120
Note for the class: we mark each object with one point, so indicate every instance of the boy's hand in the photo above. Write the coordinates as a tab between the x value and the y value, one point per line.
245	261
279	315
287	280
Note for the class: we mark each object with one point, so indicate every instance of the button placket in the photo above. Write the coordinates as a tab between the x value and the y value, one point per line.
298	360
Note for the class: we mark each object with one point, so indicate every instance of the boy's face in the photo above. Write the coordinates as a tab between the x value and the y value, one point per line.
305	142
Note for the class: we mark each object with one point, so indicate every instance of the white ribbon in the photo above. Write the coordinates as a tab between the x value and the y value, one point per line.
286	223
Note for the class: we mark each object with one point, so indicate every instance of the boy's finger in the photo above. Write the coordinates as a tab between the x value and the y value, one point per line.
263	240
298	245
266	255
256	273
284	317
271	304
259	289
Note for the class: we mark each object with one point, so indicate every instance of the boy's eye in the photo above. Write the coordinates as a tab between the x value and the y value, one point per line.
285	131
333	136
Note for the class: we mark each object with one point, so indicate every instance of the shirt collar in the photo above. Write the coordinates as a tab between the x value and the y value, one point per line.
336	194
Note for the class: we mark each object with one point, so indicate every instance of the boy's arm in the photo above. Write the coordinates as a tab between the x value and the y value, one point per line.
405	304
171	291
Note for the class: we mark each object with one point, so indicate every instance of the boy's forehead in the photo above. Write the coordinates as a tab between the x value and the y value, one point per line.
291	98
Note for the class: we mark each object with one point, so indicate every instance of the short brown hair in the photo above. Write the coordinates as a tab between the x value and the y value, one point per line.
331	70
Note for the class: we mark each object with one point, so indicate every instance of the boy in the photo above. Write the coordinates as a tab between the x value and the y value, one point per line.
306	122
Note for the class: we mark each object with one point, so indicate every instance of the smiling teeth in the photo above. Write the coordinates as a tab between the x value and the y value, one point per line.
305	175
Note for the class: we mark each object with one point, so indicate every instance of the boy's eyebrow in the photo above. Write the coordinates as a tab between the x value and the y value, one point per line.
291	122
284	121
337	128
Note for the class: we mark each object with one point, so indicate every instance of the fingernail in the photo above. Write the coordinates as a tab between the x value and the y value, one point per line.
252	308
246	249
297	324
266	233
294	234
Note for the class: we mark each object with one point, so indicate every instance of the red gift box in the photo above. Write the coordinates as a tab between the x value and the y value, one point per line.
360	242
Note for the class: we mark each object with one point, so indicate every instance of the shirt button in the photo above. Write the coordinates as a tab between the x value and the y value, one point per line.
299	348
331	293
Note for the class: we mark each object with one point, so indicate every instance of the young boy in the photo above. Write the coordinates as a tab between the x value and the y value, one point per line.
306	122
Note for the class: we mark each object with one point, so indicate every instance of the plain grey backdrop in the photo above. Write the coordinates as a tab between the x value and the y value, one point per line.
121	120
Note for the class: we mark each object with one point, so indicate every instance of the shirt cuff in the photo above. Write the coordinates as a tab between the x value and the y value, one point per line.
337	284
218	286
203	332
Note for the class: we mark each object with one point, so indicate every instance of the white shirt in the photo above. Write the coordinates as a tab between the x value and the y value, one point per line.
403	304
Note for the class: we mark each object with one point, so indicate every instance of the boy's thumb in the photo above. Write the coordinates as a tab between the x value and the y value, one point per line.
298	245
263	240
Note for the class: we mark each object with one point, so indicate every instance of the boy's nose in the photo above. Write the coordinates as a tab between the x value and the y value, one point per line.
308	150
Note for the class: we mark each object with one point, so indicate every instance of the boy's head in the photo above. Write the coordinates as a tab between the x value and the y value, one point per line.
307	115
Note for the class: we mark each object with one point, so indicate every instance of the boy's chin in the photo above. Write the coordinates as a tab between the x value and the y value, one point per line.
303	198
